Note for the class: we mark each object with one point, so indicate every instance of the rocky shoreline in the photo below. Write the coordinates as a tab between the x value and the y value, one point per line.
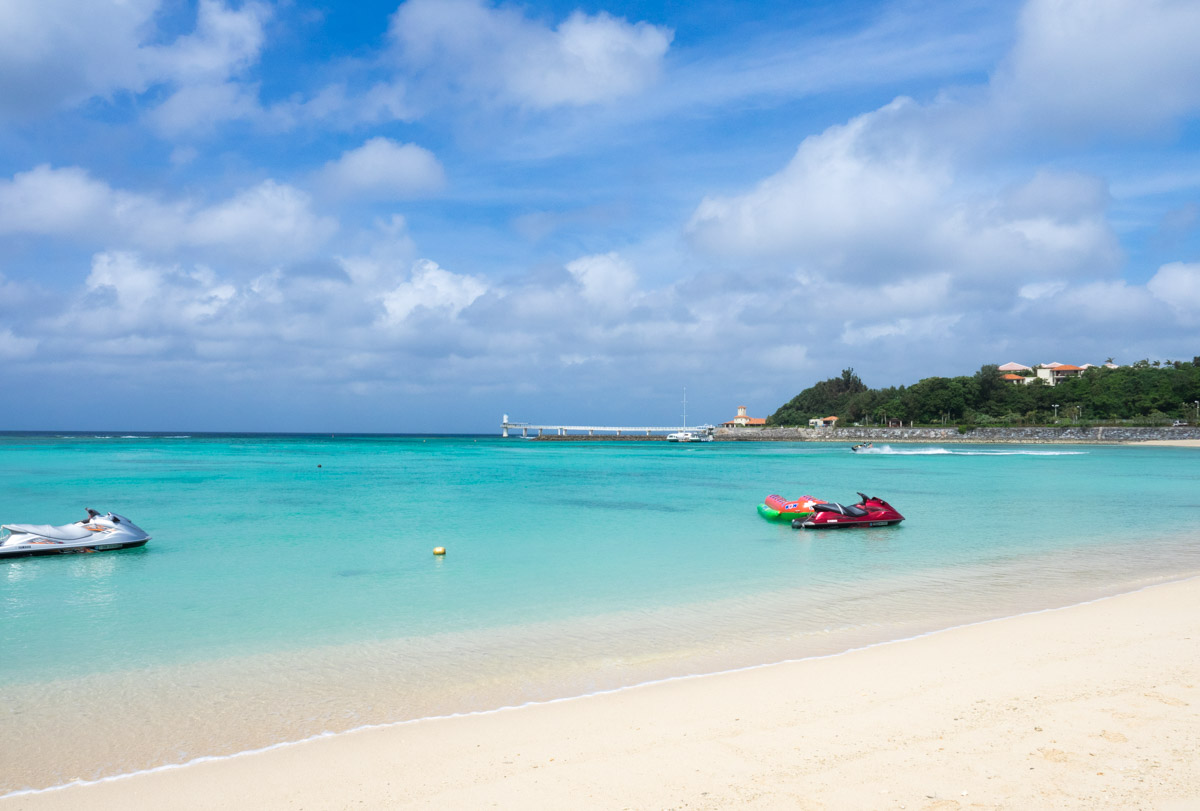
1108	435
1045	434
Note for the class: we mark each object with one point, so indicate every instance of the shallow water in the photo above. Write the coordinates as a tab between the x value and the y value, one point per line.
290	586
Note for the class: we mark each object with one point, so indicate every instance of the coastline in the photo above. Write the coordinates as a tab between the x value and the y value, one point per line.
1092	705
1039	435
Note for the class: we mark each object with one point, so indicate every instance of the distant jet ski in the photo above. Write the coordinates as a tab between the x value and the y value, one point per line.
869	512
862	446
96	533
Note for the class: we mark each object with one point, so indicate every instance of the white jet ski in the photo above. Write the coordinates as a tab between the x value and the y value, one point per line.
96	533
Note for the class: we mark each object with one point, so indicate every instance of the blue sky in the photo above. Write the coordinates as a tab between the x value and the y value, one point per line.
319	216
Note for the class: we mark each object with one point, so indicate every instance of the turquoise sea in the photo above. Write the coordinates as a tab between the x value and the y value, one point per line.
290	587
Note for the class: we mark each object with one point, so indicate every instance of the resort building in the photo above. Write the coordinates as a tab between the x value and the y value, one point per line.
1055	373
823	422
741	419
1049	373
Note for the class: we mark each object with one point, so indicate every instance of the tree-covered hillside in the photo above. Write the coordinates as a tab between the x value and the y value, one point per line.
1145	392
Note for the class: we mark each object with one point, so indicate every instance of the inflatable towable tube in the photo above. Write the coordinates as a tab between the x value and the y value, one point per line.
778	508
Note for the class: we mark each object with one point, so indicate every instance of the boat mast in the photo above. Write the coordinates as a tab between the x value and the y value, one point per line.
685	406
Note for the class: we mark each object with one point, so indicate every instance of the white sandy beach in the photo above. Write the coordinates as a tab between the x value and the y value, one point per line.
1093	706
1171	443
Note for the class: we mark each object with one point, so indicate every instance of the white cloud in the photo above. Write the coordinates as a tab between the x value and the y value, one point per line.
606	279
148	296
383	169
908	330
1113	65
501	54
60	52
389	321
196	110
13	347
886	195
225	43
335	107
1038	290
1178	284
272	222
433	288
846	189
52	201
1112	305
56	52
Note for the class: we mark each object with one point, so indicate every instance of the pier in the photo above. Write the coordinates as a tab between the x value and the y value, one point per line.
603	430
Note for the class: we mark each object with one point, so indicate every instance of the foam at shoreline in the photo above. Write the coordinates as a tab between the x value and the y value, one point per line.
1052	629
209	758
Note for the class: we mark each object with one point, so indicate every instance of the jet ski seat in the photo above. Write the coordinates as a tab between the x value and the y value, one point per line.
833	507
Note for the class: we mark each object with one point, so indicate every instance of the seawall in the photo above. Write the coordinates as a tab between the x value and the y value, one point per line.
1054	434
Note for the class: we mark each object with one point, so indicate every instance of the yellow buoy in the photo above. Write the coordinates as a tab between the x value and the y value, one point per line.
439	550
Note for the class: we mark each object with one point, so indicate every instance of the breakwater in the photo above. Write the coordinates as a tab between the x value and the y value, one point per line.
1042	434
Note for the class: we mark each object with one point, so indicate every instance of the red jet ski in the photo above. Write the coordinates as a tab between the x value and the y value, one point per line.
869	512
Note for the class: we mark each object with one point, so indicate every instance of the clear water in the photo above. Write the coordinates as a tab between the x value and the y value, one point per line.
290	587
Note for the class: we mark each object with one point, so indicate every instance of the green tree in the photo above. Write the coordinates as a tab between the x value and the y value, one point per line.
1145	391
827	398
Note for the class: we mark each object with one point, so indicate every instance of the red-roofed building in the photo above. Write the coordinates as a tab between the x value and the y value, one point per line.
1053	375
823	422
741	419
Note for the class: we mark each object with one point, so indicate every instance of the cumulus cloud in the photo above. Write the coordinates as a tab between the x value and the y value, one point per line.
382	169
605	279
849	188
195	110
1111	65
389	326
269	222
225	43
147	294
884	196
56	52
1178	284
59	52
52	201
433	288
500	54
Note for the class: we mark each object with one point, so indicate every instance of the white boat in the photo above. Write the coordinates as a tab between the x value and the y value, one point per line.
96	533
705	432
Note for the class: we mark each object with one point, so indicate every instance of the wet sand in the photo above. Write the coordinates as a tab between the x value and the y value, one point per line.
1092	706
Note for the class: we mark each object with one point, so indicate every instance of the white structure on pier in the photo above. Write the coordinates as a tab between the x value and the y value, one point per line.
592	430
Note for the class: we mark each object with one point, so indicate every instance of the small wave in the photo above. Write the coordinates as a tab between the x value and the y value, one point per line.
888	450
